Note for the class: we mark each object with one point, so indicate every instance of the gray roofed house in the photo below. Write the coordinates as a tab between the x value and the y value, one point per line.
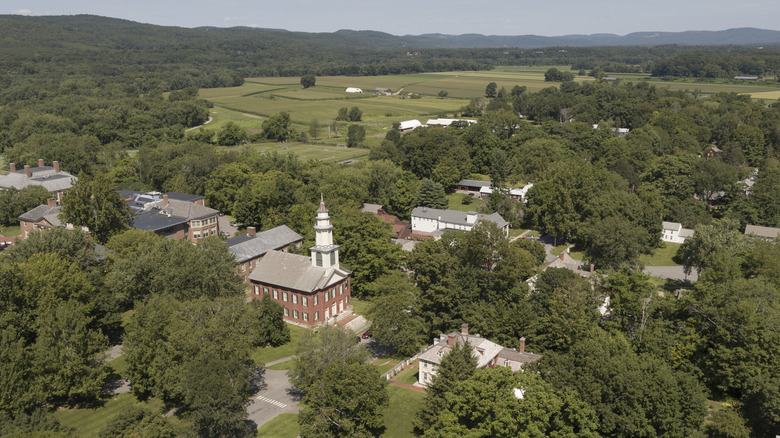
43	217
488	354
763	232
432	221
470	185
174	215
52	178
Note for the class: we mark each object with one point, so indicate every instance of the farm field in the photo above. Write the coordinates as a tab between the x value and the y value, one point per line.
307	151
257	99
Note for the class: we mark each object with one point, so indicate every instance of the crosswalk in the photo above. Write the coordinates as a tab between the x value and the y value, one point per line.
272	401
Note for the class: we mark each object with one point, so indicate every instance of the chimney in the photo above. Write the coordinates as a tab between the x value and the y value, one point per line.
592	268
51	202
251	231
560	256
56	165
27	171
522	345
40	162
12	167
464	329
451	339
165	200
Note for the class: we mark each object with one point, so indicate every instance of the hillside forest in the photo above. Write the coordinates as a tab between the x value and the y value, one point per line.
623	353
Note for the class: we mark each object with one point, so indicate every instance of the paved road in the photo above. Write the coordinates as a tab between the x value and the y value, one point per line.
672	272
272	400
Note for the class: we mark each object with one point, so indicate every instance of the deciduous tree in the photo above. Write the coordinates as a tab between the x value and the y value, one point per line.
94	203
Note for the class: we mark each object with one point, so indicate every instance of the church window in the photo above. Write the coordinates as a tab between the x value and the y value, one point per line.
286	312
305	301
295	298
319	259
284	296
333	258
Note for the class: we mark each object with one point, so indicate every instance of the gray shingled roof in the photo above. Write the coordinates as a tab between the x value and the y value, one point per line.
247	248
293	271
768	232
41	176
474	183
43	212
484	350
457	217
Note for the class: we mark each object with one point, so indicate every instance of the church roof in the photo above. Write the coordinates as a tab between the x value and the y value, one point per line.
295	272
247	247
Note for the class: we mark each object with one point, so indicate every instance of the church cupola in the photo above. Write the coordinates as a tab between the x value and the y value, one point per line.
324	253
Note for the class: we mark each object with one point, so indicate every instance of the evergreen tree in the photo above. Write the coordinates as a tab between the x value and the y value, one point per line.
431	194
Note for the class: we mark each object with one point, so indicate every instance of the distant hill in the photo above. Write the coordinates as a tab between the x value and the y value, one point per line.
112	32
740	36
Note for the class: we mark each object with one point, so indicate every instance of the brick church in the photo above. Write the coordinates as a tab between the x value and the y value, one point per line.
312	290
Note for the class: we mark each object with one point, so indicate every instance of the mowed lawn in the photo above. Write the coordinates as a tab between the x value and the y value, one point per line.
661	256
89	422
283	426
401	412
269	354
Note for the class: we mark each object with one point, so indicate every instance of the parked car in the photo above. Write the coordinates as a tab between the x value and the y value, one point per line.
234	224
367	335
224	233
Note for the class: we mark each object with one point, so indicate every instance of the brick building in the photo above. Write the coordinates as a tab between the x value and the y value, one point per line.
52	178
311	289
248	249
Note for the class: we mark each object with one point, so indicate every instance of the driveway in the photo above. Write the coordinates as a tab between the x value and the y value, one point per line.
274	399
671	272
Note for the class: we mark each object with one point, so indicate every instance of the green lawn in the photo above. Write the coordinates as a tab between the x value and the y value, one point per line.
455	202
282	366
283	426
360	306
88	422
268	354
402	410
409	376
119	365
661	256
385	367
10	231
559	249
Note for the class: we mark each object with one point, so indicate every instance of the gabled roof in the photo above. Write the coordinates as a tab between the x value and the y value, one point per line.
371	208
517	359
409	124
484	350
184	196
295	272
767	232
457	217
674	226
50	214
246	247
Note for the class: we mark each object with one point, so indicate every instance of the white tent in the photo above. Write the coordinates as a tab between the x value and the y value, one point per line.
354	90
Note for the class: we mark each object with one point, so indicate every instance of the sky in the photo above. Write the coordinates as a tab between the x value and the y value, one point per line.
410	17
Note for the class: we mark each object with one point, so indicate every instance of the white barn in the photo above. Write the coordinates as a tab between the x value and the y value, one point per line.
408	125
433	221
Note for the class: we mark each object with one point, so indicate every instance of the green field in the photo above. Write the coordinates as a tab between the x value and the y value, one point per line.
10	231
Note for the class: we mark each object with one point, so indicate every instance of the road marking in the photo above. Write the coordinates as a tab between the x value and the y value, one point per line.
272	401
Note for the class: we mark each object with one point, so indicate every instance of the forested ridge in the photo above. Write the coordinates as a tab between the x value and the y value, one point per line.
645	365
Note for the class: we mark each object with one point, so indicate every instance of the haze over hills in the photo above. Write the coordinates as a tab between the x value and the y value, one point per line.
16	26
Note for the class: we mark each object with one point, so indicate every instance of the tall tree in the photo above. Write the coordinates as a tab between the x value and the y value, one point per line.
347	400
94	203
458	365
431	194
395	314
355	135
308	80
272	329
277	127
316	351
490	90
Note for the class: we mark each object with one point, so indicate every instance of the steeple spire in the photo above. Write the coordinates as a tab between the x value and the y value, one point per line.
324	253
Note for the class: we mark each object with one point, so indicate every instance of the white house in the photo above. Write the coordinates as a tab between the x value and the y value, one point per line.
409	125
354	90
432	221
674	232
488	354
514	193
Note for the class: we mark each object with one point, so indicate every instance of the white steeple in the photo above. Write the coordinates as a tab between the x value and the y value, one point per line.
324	253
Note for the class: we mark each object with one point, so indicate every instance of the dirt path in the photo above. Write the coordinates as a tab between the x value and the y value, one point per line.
196	127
